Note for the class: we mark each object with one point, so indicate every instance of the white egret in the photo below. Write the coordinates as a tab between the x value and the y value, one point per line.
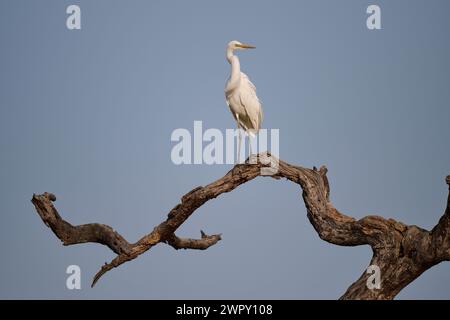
241	96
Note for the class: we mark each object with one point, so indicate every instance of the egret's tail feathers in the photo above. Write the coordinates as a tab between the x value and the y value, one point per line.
252	132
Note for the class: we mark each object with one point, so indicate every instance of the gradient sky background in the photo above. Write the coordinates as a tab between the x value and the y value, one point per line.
88	116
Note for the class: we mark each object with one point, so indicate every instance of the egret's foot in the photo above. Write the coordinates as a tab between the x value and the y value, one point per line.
253	159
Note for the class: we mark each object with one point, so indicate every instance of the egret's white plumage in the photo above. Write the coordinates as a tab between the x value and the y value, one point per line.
240	94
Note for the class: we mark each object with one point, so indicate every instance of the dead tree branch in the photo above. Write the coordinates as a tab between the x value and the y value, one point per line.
402	252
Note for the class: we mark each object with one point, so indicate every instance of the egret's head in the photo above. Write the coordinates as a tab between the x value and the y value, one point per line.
236	45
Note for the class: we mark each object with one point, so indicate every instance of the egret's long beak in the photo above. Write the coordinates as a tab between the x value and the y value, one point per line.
245	46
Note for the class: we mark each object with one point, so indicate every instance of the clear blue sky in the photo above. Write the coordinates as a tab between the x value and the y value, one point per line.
88	115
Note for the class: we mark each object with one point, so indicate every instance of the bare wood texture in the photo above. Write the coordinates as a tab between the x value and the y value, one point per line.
402	252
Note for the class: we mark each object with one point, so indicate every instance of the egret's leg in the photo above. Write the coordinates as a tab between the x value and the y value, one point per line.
253	158
240	138
239	146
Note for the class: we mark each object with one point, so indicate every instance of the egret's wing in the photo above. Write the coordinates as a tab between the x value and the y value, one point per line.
251	104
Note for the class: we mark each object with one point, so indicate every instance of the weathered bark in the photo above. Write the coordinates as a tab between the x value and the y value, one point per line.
402	252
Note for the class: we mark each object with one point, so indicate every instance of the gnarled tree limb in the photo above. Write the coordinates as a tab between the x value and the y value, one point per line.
402	252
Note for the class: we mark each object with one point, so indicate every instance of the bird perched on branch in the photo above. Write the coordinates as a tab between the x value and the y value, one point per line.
241	96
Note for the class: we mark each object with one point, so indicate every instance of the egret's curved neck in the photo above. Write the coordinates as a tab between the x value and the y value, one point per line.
235	77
